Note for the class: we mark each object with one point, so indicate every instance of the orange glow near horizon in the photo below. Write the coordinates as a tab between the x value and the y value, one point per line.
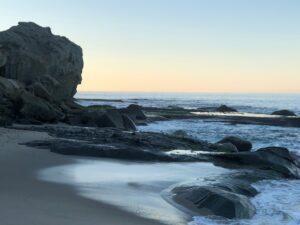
173	75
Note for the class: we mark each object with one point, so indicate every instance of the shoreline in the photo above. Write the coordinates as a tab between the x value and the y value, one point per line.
25	199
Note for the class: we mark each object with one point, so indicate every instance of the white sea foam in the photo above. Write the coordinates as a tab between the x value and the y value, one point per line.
260	136
237	114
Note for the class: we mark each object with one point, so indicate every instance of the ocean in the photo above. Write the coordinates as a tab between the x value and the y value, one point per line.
278	202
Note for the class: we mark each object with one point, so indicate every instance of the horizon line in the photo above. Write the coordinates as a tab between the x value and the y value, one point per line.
189	92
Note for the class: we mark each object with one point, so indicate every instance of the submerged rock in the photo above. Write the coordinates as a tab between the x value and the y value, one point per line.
225	109
241	144
284	113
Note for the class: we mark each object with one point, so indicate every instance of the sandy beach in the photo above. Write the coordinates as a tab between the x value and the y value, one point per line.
25	200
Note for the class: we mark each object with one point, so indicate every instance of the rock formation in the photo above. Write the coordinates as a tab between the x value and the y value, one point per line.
42	62
39	74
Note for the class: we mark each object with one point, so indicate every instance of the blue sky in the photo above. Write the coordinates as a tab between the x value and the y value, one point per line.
179	45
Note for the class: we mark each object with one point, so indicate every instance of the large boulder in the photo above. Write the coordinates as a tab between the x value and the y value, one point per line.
241	144
284	112
213	200
30	53
39	74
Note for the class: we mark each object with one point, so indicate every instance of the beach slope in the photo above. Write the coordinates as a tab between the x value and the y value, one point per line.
26	200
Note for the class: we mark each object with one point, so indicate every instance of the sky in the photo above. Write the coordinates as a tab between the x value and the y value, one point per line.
175	45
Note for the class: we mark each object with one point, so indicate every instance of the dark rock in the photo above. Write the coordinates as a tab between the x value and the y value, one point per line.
31	53
180	133
117	151
40	91
284	113
215	201
111	118
128	123
102	118
5	121
134	112
238	187
241	144
39	73
270	158
10	88
154	144
225	108
161	114
224	147
32	107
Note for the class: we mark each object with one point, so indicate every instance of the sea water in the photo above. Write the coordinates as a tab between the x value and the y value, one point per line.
278	201
258	103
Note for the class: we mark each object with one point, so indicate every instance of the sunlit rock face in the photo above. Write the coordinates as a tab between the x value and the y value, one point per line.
35	57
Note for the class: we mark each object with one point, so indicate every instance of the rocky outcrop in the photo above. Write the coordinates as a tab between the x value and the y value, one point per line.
39	74
284	112
276	159
31	54
117	143
97	117
241	144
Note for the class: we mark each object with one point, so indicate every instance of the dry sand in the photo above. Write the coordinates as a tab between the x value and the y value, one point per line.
25	200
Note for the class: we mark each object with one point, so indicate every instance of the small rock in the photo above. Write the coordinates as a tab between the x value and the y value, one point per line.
134	112
284	113
225	108
180	133
241	144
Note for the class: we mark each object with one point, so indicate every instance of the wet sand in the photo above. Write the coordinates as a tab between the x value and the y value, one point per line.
24	199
